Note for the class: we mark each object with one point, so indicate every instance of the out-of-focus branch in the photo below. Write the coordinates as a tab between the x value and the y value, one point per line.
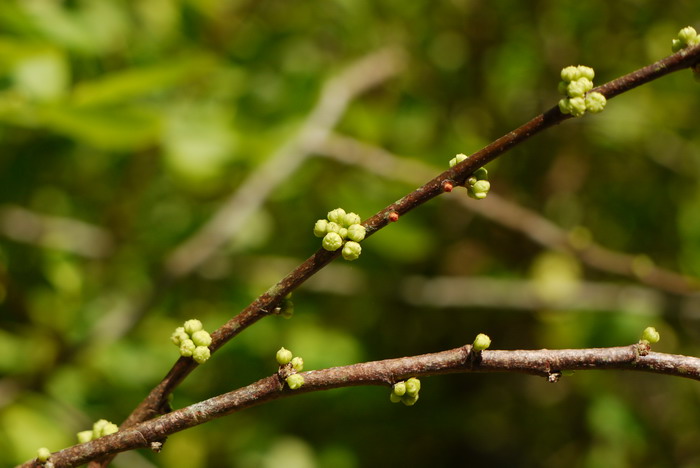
55	232
508	214
546	363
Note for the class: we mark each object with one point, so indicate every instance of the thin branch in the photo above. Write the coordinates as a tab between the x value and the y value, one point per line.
155	402
515	217
546	363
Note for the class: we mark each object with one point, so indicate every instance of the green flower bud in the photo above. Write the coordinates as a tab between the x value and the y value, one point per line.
564	106
350	219
201	354
676	45
109	428
481	174
472	180
579	87
179	336
394	398
479	189
332	241
84	436
561	87
457	159
343	233
687	34
43	454
399	389
192	326
98	427
297	364
283	356
336	215
187	348
570	73
351	251
333	227
412	387
578	106
481	342
320	228
409	400
295	381
595	102
586	72
651	335
201	338
357	232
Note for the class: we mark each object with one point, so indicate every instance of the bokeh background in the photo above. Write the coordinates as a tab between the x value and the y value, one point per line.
126	126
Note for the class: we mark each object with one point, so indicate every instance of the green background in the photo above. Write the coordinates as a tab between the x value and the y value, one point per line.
140	118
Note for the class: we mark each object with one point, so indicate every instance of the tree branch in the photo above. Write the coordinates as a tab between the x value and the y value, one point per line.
546	363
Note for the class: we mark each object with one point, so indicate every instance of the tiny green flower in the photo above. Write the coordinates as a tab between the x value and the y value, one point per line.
579	87
479	189
578	106
320	228
178	336
586	72
399	389
109	428
350	219
651	335
357	232
201	338
481	342
412	387
84	436
332	241
676	45
409	400
457	159
343	233
43	454
595	102
687	34
336	216
201	354
187	347
333	227
481	174
394	398
283	356
295	381
297	364
192	326
102	428
351	251
570	73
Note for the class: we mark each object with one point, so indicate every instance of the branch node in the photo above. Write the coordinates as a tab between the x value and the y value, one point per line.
554	376
642	348
448	185
157	446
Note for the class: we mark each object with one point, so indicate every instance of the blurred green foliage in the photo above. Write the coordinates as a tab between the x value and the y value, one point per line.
139	118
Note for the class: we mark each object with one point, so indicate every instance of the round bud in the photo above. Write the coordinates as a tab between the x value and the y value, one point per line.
43	454
399	389
351	218
357	232
332	241
578	106
457	159
481	174
336	215
343	233
481	186
447	186
84	436
393	217
586	72
283	356
595	102
178	336
579	87
351	251
471	180
201	354
561	87
394	398
187	347
570	73
676	45
564	106
481	342
297	364
201	338
333	227
109	428
320	228
192	326
295	381
409	400
651	335
412	387
98	427
687	34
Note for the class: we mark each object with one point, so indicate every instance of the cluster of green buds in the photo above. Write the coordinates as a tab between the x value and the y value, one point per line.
477	184
405	392
481	342
290	364
341	229
575	86
193	341
650	336
100	429
687	37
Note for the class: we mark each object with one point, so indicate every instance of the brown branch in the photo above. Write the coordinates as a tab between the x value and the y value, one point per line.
154	403
546	363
